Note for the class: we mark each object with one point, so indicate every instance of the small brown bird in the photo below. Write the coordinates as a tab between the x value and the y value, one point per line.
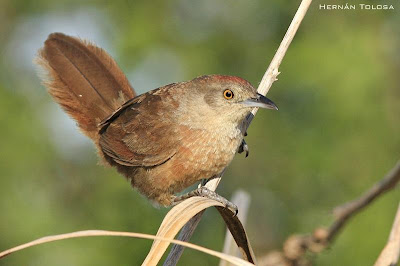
162	141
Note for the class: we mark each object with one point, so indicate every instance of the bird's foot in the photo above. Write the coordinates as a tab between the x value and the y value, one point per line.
207	193
244	148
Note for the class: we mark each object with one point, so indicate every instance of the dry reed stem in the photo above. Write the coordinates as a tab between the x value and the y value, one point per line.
87	233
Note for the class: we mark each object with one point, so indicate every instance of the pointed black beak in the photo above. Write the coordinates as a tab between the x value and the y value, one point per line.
260	101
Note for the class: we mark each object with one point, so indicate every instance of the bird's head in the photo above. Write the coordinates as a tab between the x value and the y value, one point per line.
227	97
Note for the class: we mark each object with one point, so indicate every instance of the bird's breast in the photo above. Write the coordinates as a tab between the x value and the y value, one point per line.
204	153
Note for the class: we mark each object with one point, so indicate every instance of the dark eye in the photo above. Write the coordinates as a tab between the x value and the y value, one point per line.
228	94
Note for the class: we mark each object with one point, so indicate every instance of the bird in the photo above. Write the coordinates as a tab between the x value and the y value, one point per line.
162	141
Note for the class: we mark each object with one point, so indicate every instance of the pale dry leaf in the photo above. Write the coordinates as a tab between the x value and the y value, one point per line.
178	216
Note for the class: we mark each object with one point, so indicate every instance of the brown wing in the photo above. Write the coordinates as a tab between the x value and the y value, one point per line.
142	132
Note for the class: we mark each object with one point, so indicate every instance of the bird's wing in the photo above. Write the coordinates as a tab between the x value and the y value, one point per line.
142	132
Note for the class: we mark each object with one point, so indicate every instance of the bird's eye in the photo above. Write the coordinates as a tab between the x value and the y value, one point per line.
228	94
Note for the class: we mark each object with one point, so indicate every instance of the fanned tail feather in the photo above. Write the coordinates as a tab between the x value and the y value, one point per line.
84	80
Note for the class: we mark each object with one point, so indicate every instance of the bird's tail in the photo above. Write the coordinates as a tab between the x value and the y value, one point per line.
84	80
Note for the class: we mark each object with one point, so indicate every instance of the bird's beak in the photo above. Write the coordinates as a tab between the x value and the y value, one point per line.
260	101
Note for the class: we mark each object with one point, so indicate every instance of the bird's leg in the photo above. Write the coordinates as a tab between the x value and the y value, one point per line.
206	193
244	148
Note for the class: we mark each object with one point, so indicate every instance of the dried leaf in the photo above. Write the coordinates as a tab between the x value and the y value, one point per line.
178	216
242	200
239	234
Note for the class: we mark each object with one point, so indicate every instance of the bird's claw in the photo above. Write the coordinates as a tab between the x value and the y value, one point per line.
244	148
207	193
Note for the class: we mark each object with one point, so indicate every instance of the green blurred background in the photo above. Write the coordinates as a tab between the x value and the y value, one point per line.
336	133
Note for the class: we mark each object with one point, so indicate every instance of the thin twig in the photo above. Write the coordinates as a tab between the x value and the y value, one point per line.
346	211
391	252
268	79
296	246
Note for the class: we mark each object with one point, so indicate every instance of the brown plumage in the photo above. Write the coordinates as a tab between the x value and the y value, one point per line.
164	140
84	80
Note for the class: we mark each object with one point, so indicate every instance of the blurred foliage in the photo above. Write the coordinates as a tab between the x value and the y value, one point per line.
336	133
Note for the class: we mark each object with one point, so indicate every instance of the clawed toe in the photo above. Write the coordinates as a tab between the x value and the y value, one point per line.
207	193
232	207
244	148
